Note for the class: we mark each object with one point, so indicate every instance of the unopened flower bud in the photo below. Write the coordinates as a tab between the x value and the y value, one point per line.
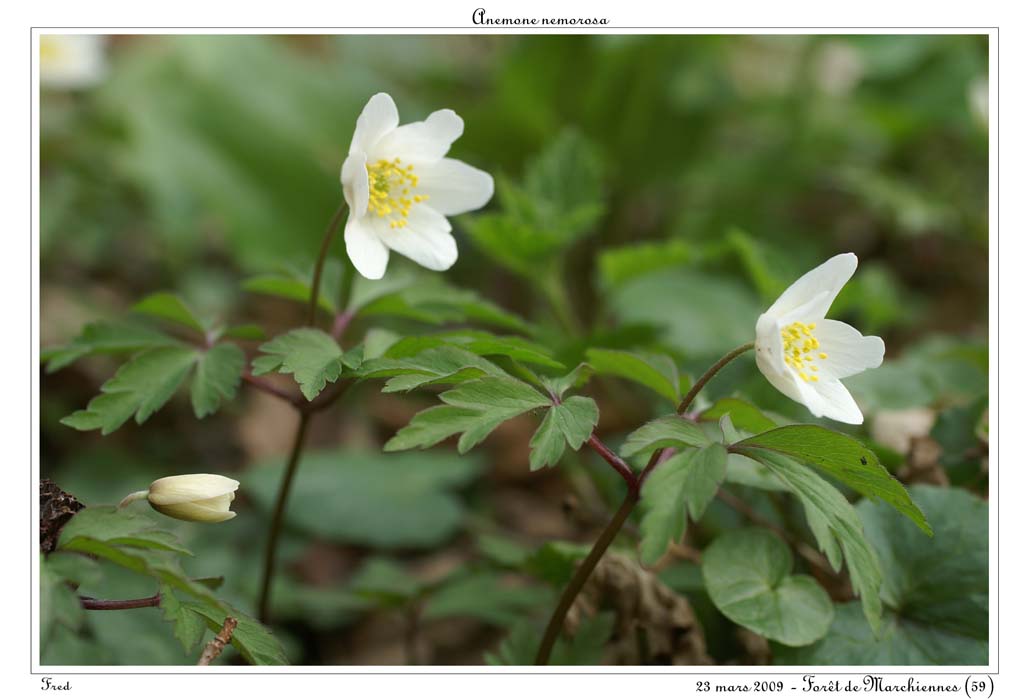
202	498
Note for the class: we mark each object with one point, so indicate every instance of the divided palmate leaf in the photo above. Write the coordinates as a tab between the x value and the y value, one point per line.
480	343
656	372
312	356
570	422
747	574
145	383
250	638
667	431
840	456
687	480
188	627
106	338
439	365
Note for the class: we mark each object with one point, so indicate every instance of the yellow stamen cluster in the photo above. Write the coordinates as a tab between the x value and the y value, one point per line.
798	347
389	190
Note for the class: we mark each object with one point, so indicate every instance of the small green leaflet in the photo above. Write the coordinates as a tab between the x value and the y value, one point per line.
250	638
745	416
188	626
667	431
571	422
106	338
480	343
169	307
686	480
656	372
145	383
439	365
312	356
840	456
747	574
474	408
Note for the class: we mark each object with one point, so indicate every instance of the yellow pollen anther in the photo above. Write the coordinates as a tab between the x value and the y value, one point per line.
385	179
822	355
798	344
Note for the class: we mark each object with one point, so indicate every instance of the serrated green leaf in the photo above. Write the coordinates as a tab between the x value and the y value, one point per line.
118	526
245	331
431	301
431	426
188	627
440	365
58	604
840	456
686	480
480	343
656	372
105	338
502	394
216	378
842	520
745	416
169	307
312	356
141	387
570	422
747	575
251	639
574	379
619	265
667	431
547	444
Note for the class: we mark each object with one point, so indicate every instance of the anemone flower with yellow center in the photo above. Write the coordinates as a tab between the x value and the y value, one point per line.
805	355
400	188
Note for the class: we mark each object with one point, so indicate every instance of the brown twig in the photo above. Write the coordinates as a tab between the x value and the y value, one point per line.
130	604
215	646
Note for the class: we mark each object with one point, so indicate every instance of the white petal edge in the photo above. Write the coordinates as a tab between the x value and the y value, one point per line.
425	239
378	118
190	487
354	178
830	399
828	277
454	187
847	351
420	142
364	248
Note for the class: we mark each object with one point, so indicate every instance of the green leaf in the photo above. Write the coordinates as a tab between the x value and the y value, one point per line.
842	520
58	603
667	431
245	331
372	499
480	343
118	526
188	626
250	638
656	372
495	394
570	422
840	456
555	562
312	356
619	265
289	287
141	387
217	378
169	307
440	365
574	379
384	582
936	591
747	575
486	597
431	426
686	480
745	416
106	338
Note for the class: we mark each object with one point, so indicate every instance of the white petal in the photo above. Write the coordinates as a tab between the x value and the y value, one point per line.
425	239
364	248
779	375
830	399
190	487
828	278
378	118
354	176
421	142
847	351
454	187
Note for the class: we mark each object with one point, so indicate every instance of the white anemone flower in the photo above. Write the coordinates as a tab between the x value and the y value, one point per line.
400	188
71	61
805	355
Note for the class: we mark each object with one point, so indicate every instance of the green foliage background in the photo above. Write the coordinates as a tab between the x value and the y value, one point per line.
654	195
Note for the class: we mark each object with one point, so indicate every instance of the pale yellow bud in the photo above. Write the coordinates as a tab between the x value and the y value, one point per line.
203	498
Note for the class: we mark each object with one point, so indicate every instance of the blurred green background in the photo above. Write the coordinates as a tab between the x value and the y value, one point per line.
718	169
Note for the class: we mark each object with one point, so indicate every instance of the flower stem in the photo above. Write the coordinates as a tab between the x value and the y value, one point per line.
133	497
711	372
571	591
635	484
277	517
323	254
